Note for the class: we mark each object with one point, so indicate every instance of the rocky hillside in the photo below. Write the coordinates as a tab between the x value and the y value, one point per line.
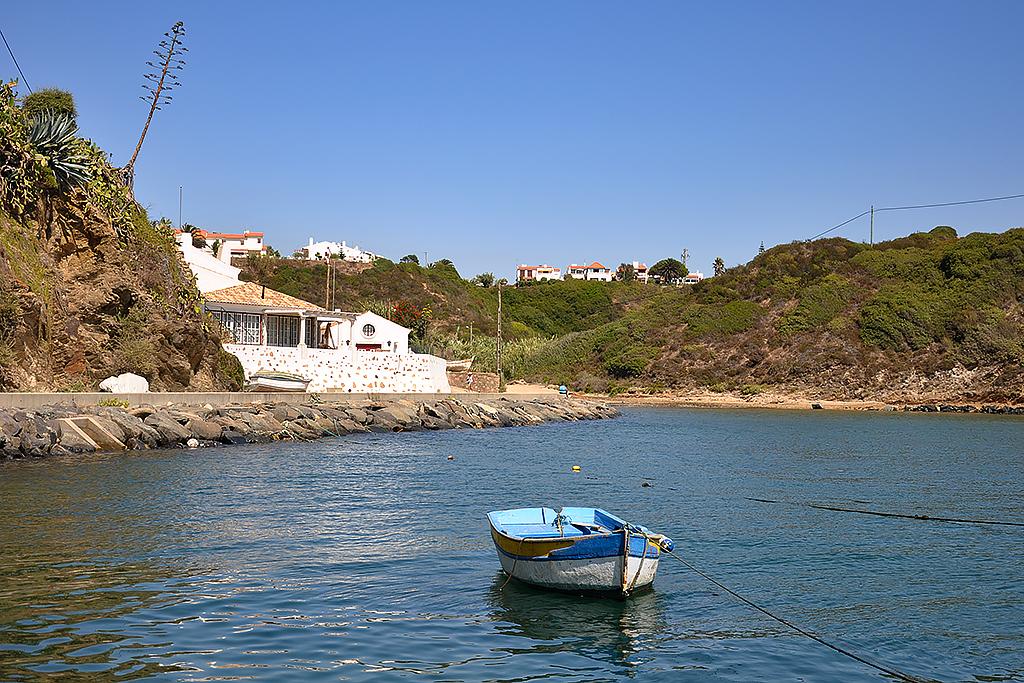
88	286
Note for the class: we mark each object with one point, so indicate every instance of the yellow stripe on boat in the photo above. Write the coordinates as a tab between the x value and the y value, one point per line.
528	547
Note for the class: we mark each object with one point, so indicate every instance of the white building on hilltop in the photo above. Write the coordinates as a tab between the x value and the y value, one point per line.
318	250
595	271
336	351
526	273
693	278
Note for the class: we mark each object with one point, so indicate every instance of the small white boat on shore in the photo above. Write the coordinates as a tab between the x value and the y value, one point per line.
576	549
276	381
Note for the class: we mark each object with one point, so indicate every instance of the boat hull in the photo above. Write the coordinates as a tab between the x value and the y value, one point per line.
595	563
277	382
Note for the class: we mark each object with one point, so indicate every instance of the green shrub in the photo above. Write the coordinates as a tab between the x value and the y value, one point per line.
52	99
944	232
819	304
902	318
735	316
114	403
229	370
630	361
752	389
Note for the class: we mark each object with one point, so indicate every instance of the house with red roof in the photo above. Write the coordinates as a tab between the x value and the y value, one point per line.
595	271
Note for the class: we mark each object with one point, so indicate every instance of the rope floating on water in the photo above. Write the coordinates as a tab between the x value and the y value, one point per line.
818	639
924	518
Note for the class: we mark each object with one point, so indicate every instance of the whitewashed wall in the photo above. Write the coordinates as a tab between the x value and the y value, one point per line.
211	273
335	370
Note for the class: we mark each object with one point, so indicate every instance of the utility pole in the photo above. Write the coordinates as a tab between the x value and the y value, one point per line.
327	285
498	351
872	234
179	207
685	255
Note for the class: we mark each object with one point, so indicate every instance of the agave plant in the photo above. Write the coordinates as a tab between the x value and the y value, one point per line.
53	137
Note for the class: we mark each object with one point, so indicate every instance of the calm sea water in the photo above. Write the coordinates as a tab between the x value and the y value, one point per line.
368	558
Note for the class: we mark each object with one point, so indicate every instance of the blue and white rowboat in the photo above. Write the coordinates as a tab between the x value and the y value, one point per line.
576	549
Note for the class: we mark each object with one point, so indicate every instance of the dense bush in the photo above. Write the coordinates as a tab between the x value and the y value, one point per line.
902	318
819	304
52	99
735	316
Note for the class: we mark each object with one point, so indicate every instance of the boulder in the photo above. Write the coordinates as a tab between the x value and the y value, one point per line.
207	431
170	431
128	383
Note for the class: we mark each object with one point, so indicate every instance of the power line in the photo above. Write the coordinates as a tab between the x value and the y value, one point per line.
836	227
932	206
15	60
915	206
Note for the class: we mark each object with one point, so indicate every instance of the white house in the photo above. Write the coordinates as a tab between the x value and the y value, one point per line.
316	250
537	273
595	271
336	351
693	278
211	273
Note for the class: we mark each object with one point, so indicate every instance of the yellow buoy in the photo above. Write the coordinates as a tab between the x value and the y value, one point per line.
576	468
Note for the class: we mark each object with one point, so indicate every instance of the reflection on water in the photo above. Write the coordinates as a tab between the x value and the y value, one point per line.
606	629
369	556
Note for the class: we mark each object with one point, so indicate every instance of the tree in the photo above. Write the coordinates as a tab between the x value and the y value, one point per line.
626	272
162	80
410	258
273	253
50	99
719	266
446	268
259	268
760	249
668	270
198	238
484	280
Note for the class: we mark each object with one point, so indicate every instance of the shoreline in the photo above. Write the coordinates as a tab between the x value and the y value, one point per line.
62	429
770	401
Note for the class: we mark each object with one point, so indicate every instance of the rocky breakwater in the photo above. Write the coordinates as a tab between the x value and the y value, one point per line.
63	429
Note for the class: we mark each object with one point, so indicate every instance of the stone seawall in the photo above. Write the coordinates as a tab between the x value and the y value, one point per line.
63	429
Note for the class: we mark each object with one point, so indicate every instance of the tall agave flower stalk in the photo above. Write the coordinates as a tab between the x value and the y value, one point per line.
160	82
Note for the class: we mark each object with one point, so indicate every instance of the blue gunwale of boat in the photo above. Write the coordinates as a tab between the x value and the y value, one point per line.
538	523
587	548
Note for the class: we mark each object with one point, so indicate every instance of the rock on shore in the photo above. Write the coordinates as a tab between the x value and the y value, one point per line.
46	431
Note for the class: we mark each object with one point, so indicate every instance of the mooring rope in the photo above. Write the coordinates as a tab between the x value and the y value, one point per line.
877	513
804	632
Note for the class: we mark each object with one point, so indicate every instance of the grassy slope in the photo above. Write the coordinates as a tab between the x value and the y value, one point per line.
544	309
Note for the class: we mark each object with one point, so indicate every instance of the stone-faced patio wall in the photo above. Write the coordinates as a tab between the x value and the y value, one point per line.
331	370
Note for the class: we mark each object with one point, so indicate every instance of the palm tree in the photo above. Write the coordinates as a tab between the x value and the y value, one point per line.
719	266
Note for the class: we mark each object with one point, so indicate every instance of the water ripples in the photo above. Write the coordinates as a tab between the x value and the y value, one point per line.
368	557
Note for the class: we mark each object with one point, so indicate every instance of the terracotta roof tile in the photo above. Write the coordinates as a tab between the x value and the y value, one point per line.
252	294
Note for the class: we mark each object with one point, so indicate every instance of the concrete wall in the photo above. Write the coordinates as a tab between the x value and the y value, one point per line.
28	401
337	370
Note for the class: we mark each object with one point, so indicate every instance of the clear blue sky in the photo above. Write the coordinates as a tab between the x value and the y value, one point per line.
554	132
